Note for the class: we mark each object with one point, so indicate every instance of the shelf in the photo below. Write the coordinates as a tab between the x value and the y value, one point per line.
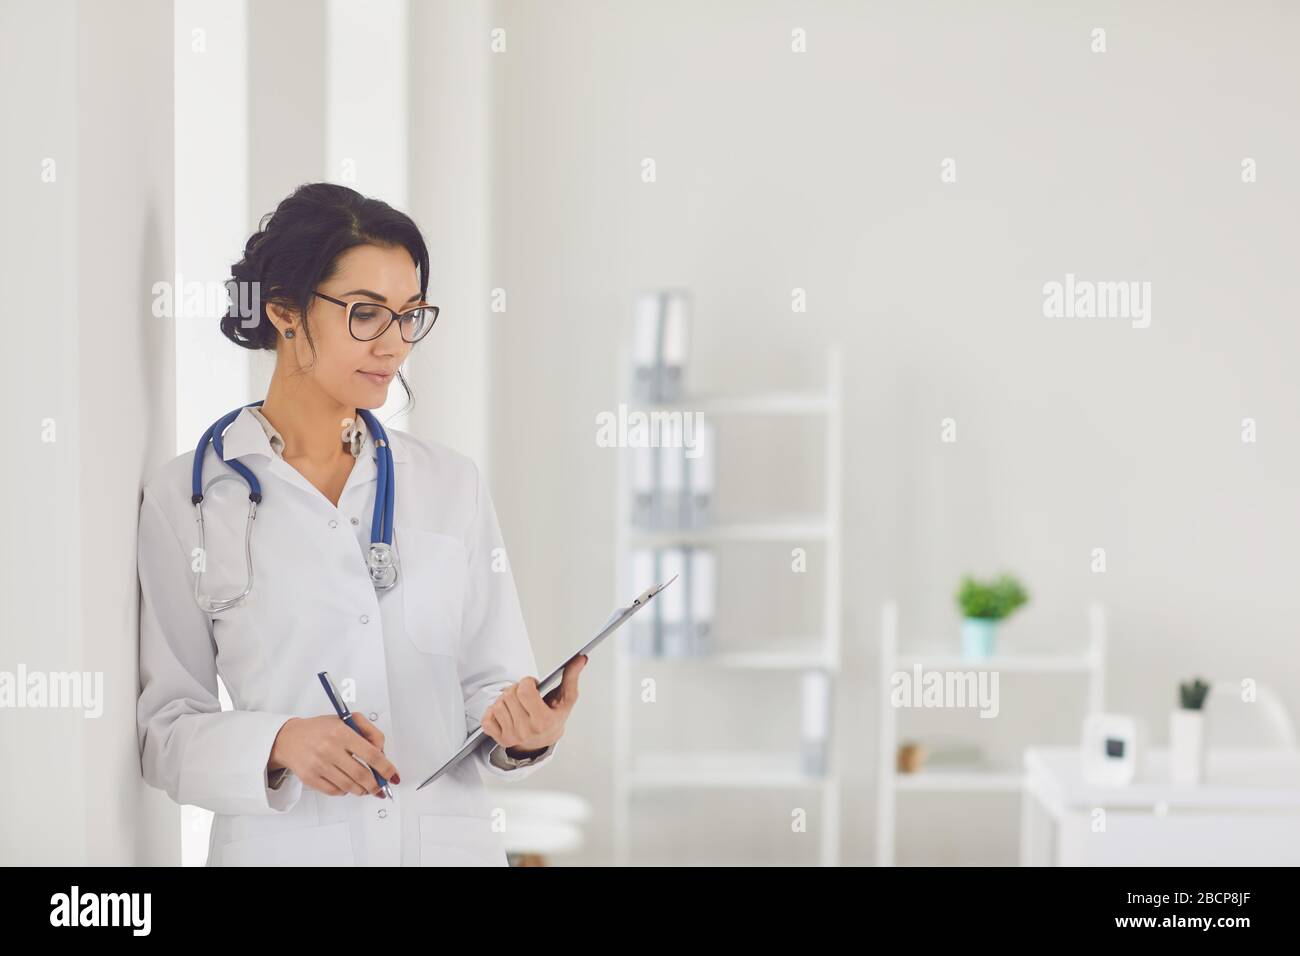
643	860
805	654
960	780
636	774
771	403
722	769
791	528
968	776
1007	663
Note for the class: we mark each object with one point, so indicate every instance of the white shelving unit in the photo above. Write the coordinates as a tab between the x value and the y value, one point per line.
1089	662
644	774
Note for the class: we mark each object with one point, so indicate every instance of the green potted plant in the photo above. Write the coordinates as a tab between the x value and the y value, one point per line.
983	604
1187	733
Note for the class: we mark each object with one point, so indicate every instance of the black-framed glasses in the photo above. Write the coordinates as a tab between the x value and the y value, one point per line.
370	320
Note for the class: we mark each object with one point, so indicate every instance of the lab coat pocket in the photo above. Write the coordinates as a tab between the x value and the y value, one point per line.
450	840
433	571
329	845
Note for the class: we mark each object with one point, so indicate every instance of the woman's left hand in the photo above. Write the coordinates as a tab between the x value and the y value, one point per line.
521	719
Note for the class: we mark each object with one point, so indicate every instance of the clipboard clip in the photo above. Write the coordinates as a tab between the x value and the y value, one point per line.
650	592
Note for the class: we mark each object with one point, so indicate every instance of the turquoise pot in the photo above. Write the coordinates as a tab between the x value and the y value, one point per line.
979	637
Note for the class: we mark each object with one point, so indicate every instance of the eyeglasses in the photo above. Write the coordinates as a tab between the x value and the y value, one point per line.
370	320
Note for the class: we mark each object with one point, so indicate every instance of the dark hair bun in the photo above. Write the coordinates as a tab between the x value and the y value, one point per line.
296	248
246	322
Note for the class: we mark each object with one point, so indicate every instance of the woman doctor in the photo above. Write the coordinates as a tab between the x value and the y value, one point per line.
420	664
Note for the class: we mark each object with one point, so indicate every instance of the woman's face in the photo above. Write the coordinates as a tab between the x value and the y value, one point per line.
356	374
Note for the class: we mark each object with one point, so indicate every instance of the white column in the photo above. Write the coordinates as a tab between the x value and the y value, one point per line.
366	113
451	147
211	149
286	119
211	117
87	180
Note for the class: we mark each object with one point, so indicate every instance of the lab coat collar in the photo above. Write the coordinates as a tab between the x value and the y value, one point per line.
246	436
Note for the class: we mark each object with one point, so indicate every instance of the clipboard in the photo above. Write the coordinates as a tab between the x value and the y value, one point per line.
553	679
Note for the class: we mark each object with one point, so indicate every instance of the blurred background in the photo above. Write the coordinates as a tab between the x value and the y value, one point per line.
829	230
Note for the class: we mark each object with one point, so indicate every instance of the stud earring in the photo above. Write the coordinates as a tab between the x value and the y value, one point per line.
288	333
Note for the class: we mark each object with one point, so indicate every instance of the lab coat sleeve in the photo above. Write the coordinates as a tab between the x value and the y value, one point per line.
497	757
494	647
189	747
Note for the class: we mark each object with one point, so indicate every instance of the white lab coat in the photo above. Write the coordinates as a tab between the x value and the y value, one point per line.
423	660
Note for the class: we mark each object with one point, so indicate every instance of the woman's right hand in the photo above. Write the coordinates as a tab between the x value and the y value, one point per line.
320	751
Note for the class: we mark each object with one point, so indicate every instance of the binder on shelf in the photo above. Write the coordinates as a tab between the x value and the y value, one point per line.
676	313
700	477
672	487
701	594
646	332
674	636
671	490
659	346
645	481
644	638
815	723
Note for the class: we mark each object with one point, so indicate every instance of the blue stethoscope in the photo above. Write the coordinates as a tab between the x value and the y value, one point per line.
383	572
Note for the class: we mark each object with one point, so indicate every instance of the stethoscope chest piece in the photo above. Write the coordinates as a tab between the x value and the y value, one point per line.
383	572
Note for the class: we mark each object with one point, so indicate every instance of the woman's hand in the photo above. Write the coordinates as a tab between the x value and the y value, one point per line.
320	751
522	719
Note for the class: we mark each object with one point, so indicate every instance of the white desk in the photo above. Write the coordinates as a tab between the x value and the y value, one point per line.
1246	812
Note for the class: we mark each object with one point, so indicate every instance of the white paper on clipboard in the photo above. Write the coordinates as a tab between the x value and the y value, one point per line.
553	679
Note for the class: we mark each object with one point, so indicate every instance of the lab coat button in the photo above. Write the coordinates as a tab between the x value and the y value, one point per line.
356	521
333	523
382	814
373	716
365	618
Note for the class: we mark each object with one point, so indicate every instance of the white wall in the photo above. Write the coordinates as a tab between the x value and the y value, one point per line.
86	246
822	171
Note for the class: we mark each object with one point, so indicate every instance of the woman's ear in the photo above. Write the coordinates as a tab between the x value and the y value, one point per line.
282	316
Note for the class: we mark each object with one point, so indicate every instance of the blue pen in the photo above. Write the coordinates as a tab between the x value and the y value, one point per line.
336	699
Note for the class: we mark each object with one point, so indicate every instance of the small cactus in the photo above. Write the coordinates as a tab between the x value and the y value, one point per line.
1192	695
